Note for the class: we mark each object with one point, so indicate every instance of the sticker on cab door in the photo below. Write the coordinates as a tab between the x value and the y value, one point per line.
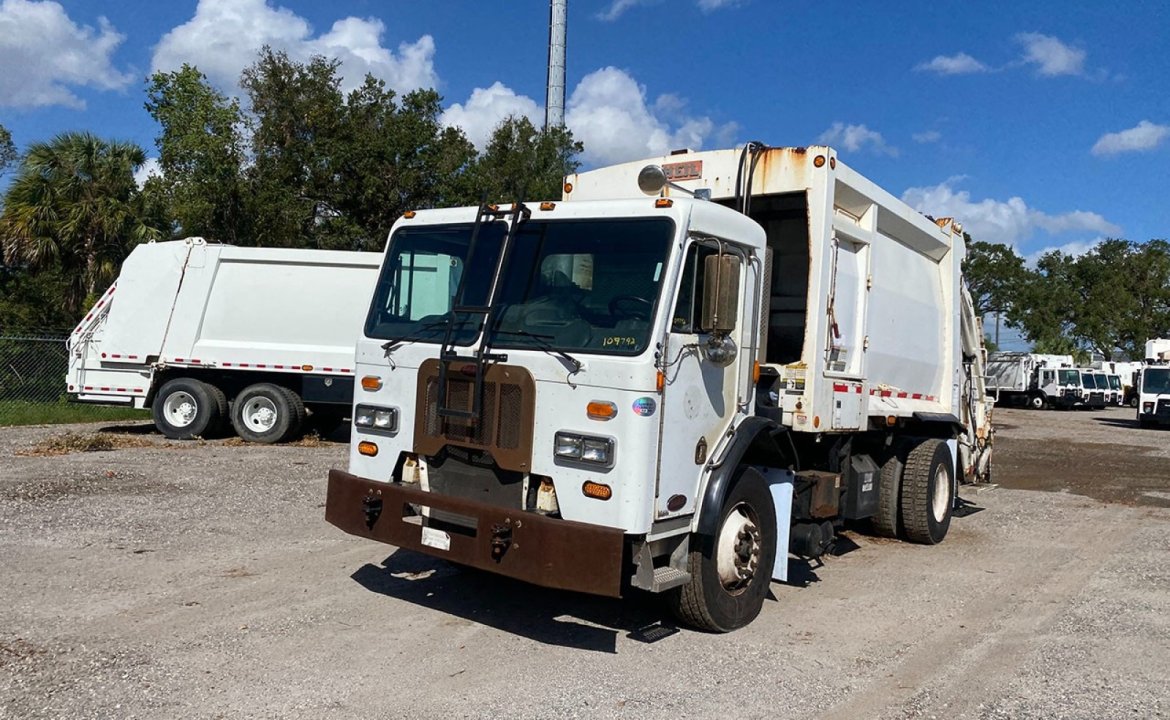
645	406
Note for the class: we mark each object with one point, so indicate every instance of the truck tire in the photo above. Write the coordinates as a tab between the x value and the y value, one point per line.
1036	402
300	415
186	408
731	571
885	522
267	413
928	492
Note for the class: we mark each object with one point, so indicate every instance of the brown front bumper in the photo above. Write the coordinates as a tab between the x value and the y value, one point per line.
527	546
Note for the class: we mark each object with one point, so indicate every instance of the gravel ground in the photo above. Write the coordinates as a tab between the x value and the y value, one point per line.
200	580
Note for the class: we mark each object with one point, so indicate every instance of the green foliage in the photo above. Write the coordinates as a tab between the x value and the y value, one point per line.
74	207
523	161
994	273
8	154
30	302
201	156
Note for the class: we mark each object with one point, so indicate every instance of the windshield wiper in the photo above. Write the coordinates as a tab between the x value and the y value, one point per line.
394	343
542	342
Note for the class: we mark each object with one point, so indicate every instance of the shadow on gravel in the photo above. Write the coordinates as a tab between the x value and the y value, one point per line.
1115	422
552	617
135	429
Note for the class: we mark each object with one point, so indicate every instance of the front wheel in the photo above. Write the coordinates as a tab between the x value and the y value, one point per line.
731	571
1036	402
928	492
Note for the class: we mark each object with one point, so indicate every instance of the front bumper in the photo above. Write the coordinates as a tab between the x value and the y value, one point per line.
1162	417
527	546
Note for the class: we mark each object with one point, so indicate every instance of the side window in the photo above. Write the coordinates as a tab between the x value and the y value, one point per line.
424	285
689	307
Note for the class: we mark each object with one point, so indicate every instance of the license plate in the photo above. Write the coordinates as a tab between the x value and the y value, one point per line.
436	539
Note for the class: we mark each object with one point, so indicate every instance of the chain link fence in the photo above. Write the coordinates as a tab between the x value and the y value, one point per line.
32	384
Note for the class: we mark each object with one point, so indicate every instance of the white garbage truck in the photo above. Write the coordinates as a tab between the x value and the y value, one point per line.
671	393
1034	380
213	336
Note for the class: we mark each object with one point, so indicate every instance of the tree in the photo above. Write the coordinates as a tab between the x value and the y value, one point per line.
74	206
8	154
521	160
201	156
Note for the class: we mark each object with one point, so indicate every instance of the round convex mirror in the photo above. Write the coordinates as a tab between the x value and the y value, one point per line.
651	179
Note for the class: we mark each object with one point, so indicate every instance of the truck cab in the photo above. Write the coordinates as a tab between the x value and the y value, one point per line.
1094	394
1061	387
1117	387
1154	396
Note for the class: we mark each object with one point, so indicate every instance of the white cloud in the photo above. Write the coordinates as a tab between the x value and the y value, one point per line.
856	137
609	113
960	64
224	37
1051	56
1076	248
1010	221
147	170
927	137
1145	136
486	108
617	8
45	55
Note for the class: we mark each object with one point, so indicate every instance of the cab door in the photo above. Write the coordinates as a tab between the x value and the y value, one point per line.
699	397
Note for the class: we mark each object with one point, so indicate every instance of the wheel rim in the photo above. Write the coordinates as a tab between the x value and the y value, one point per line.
942	494
180	409
260	414
738	548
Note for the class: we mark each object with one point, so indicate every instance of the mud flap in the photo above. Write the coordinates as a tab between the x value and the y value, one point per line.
780	484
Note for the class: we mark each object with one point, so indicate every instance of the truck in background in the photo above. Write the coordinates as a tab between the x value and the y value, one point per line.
669	393
212	336
1154	395
1034	380
1127	374
1158	350
1094	392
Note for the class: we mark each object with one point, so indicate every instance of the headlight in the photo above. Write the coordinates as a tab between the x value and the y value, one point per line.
376	418
1148	407
584	448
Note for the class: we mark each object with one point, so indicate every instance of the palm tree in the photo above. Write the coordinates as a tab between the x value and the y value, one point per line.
74	204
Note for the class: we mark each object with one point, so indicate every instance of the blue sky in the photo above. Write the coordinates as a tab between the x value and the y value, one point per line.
1043	124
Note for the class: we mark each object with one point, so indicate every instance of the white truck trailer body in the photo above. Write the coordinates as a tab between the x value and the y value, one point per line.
1033	379
698	388
228	317
1158	350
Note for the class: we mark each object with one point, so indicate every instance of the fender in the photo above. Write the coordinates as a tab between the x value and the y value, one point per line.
754	440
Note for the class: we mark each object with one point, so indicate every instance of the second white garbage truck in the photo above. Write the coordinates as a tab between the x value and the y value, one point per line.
211	336
667	393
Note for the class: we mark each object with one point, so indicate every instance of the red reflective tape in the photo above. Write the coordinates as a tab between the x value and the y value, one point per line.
916	396
327	369
103	354
345	370
179	360
885	393
104	389
261	365
930	398
840	387
858	389
903	395
279	367
242	365
132	357
138	390
196	362
87	317
121	389
226	364
88	387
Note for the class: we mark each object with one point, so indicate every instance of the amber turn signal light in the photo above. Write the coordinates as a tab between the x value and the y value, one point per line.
371	382
597	490
367	448
600	410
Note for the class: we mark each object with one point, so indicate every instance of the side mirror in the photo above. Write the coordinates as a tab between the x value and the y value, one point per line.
720	293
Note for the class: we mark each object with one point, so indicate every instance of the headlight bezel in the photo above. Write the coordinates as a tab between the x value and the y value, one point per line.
377	419
584	449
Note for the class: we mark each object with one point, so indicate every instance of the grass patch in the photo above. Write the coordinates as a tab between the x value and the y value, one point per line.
71	442
16	412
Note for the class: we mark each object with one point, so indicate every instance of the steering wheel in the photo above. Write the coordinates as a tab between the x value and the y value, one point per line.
631	306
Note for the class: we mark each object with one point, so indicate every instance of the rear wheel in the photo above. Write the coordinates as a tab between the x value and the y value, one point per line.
885	522
731	571
928	492
1036	402
267	413
186	408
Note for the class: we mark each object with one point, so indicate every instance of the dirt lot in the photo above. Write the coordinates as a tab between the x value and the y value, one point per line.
199	580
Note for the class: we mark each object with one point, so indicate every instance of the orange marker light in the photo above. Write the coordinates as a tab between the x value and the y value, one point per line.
660	381
548	206
409	214
601	410
597	490
367	448
819	161
371	382
306	368
663	203
756	371
568	187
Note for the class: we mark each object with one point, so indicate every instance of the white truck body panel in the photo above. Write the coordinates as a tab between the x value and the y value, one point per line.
1158	350
881	311
188	303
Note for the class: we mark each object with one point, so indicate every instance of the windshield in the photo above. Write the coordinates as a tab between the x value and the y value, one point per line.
1102	381
577	285
1115	382
1070	377
1156	381
1088	381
